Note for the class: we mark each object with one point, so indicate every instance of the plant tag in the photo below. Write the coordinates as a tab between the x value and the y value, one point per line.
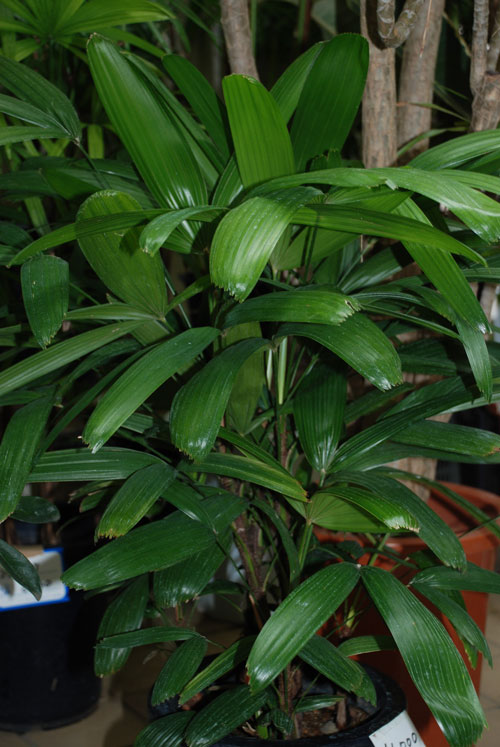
400	732
49	564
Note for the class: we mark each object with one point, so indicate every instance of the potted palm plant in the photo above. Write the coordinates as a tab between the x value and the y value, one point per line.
250	382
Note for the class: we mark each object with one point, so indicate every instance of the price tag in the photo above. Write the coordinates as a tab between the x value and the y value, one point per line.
49	564
400	732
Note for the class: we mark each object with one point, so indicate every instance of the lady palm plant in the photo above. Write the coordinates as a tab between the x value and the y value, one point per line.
247	384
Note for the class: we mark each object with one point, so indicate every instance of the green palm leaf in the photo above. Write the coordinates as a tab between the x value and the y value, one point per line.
434	663
326	306
45	288
17	451
360	343
330	97
141	380
296	620
134	499
194	426
318	408
124	613
117	259
246	237
261	141
161	154
57	356
148	548
20	569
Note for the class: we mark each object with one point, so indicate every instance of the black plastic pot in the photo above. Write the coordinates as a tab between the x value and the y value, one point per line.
391	702
47	677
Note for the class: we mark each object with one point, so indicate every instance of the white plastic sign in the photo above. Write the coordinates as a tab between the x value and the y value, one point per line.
400	732
49	565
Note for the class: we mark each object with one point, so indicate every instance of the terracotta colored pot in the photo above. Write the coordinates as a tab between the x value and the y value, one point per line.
480	547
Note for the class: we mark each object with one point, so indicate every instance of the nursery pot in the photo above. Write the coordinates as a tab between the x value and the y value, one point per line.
47	678
389	712
480	547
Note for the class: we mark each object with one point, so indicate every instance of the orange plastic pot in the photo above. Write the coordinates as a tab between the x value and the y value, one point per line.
480	547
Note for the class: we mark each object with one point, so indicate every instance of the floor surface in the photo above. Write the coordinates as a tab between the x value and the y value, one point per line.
122	710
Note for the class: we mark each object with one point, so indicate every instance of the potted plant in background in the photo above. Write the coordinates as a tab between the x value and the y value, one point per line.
264	350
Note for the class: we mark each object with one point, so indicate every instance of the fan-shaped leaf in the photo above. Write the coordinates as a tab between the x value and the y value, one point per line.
117	259
334	664
330	97
225	662
325	306
246	237
193	428
222	715
318	408
134	499
156	146
17	450
360	343
434	663
251	470
201	97
473	578
178	670
165	732
80	464
183	581
59	355
35	510
29	86
20	569
158	231
147	548
261	140
296	620
142	379
124	613
45	288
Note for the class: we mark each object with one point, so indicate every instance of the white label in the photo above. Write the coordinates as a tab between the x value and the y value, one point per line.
400	732
50	567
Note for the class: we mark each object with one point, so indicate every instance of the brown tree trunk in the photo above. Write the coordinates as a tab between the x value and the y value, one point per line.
236	26
379	99
416	82
484	80
479	56
486	104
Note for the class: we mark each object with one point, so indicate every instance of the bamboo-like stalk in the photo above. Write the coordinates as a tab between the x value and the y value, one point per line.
237	33
416	81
